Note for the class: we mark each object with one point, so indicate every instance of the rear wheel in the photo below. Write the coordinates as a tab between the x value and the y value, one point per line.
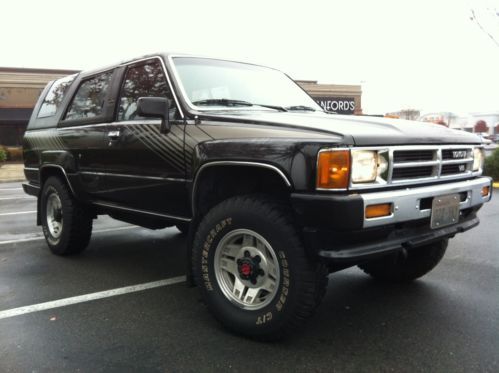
406	267
67	225
252	270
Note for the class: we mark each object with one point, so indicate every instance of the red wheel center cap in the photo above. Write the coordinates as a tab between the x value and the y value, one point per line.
245	269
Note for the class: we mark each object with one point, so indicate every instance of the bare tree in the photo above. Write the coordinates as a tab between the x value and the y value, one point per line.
410	114
493	13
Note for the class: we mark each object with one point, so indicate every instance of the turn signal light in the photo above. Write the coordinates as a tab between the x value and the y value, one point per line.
333	169
378	211
485	191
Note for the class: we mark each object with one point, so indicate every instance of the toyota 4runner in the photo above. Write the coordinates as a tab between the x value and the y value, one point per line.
274	193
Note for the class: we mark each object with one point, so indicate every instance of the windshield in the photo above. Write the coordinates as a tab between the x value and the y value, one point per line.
210	84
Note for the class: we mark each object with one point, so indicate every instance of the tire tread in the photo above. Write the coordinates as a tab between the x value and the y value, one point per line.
313	279
77	215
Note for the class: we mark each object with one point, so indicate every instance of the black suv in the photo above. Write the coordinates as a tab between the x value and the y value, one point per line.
274	192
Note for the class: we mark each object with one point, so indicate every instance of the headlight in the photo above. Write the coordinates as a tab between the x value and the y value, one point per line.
364	166
383	164
337	167
478	159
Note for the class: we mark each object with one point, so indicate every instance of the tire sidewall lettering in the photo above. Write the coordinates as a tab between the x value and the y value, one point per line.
262	316
205	253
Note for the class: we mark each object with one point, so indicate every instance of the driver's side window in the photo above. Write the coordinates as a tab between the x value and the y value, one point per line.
146	80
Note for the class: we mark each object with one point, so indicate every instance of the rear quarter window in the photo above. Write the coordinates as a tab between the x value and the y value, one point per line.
53	99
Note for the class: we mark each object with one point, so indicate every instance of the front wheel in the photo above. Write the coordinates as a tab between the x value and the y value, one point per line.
67	225
406	267
252	270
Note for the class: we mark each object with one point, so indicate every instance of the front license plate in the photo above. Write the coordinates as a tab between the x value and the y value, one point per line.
444	211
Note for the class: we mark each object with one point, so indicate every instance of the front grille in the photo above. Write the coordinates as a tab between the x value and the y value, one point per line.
409	165
449	169
429	162
412	155
412	172
461	153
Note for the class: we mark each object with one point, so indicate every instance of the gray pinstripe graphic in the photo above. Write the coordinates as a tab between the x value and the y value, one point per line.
165	140
52	143
180	136
161	153
194	136
60	141
44	140
197	134
164	144
151	140
170	140
190	141
152	145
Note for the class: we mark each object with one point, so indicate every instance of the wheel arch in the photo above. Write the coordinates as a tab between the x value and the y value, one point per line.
207	174
46	171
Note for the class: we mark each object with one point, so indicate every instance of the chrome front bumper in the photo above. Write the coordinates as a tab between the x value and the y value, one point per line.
407	204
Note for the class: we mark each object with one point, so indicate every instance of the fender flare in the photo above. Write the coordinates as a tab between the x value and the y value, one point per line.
50	165
203	167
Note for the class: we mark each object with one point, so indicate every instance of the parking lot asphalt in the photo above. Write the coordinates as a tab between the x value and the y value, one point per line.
448	321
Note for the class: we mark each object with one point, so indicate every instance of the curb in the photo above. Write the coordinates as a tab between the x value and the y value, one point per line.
11	180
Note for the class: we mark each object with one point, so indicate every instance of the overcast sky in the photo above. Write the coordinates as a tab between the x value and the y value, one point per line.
427	55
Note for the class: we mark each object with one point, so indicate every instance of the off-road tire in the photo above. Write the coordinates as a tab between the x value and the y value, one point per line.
300	287
77	220
406	267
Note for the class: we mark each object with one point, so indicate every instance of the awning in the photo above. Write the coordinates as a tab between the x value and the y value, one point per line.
15	116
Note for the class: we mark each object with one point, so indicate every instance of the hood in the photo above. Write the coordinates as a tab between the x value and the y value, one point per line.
357	130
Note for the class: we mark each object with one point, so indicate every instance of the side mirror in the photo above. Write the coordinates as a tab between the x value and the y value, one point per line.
155	107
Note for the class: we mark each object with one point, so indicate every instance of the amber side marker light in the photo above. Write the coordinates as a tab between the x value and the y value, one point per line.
485	191
333	169
378	211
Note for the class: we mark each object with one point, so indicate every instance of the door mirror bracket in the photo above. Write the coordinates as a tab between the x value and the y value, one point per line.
155	107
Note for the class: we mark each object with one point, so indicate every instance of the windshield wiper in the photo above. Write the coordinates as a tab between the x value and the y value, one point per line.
275	107
222	102
300	107
230	102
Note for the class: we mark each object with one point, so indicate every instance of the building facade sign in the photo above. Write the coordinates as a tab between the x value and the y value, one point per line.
336	98
338	105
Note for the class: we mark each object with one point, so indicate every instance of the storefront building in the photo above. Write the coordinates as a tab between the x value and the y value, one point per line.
19	90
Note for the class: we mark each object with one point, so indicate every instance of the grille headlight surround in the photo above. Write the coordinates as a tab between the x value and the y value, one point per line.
340	168
478	159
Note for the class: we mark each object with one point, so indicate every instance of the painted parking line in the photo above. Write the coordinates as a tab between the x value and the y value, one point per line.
41	237
5	189
17	213
89	297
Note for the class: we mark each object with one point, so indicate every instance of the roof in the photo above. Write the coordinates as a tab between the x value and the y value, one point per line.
27	70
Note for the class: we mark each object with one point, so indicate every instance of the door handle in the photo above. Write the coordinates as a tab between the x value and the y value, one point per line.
113	135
